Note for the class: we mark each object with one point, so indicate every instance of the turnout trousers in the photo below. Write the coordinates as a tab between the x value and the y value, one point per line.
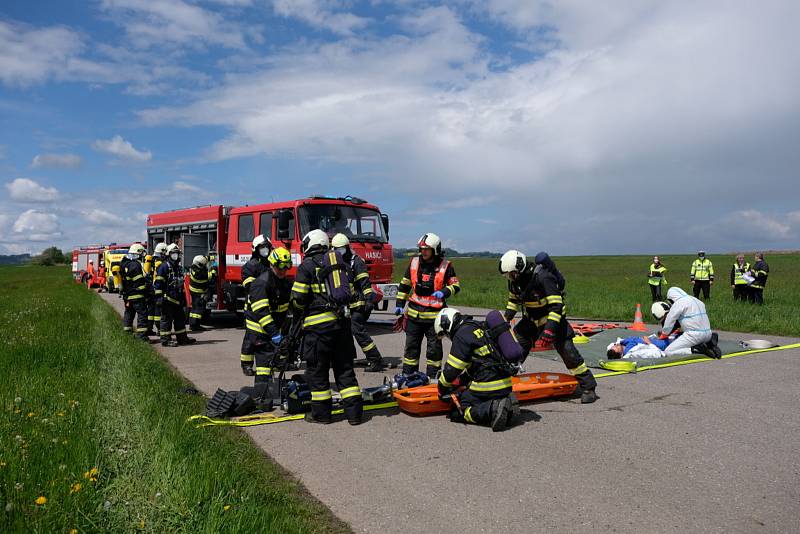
173	316
527	333
249	342
740	292
358	320
416	330
198	309
682	346
477	407
136	308
332	349
705	286
756	295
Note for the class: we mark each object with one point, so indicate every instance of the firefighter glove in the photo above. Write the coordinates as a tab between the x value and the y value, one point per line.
398	310
277	338
438	294
547	336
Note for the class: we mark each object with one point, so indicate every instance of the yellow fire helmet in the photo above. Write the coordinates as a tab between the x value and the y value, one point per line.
280	258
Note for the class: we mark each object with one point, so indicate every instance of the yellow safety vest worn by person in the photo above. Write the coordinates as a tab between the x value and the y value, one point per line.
702	269
656	275
737	274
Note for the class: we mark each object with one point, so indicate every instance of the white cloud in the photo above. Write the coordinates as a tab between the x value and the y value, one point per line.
100	216
30	55
66	161
320	14
119	147
33	225
754	223
446	205
27	190
149	23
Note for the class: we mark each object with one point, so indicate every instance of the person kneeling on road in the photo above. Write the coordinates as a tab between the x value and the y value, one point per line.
474	358
537	292
689	314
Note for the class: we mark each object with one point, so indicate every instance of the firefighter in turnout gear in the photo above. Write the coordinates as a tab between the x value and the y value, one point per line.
199	280
265	313
535	292
477	364
363	303
169	283
136	289
428	282
319	296
656	278
159	257
738	282
255	266
760	272
702	276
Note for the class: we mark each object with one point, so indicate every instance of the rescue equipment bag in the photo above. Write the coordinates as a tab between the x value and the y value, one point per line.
502	337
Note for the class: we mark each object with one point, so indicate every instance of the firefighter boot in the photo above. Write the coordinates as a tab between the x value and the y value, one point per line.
168	342
499	412
513	413
588	385
247	369
183	339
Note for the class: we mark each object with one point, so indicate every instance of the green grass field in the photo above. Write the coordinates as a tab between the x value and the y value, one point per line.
93	431
609	287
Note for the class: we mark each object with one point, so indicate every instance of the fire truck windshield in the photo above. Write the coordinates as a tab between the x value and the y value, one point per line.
358	224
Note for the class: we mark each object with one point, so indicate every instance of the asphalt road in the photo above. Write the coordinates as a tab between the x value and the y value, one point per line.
709	447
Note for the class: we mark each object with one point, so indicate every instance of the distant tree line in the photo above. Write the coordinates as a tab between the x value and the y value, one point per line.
449	252
15	259
49	256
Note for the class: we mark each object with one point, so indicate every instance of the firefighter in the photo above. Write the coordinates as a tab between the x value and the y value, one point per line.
702	276
257	264
199	280
363	304
656	278
101	276
738	282
265	313
428	282
475	360
172	299
535	292
159	256
135	290
328	341
149	273
760	272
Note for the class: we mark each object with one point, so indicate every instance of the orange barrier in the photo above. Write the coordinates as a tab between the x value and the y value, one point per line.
638	323
424	400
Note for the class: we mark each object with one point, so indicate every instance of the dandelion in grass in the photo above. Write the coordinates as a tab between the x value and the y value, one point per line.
31	414
41	500
226	507
73	531
60	414
91	474
75	488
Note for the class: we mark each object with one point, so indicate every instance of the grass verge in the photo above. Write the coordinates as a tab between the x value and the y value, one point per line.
93	432
608	287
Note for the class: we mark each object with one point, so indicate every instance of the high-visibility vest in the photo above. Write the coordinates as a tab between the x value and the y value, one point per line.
657	275
702	269
738	272
438	284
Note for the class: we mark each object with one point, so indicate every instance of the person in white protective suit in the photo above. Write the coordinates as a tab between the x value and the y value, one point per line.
690	313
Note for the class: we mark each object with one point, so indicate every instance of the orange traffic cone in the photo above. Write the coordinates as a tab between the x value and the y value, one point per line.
638	323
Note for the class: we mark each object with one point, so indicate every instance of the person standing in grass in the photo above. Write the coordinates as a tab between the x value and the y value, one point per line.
738	281
702	276
760	272
656	278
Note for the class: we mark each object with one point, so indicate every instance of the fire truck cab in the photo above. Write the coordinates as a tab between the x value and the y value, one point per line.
225	235
86	265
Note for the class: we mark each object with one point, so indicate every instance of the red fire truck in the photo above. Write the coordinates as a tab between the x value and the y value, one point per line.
82	271
225	234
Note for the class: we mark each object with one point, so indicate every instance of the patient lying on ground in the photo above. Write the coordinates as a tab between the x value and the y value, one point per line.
639	347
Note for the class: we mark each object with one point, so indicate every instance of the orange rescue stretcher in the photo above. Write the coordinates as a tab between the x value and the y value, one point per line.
424	400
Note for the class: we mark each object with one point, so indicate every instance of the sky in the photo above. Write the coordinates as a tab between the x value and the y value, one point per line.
608	127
